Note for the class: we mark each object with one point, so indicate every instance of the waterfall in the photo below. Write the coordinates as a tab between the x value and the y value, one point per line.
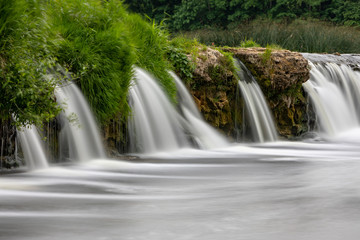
202	132
156	125
32	148
262	123
334	90
79	135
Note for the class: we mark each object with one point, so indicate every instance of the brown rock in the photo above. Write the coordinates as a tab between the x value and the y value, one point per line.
213	87
280	74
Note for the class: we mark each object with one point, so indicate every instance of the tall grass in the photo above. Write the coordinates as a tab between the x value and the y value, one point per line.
97	41
93	44
150	42
299	35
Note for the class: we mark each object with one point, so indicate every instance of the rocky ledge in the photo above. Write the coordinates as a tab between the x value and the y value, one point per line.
213	87
280	74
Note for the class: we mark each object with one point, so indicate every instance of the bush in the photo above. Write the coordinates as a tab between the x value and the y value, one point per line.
26	95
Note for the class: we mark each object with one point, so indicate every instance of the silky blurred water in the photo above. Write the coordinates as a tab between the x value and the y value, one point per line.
269	191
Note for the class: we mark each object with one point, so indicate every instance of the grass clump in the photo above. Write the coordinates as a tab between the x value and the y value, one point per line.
94	47
150	42
97	41
248	44
266	56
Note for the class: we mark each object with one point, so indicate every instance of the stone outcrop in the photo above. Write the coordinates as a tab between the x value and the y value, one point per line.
7	145
280	74
213	87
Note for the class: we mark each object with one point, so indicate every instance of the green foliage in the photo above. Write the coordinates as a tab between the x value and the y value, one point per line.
150	42
26	94
266	56
178	52
199	14
300	35
227	61
248	43
93	45
97	41
180	62
155	9
189	45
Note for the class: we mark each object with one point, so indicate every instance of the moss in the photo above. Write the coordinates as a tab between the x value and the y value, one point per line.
227	61
217	73
203	57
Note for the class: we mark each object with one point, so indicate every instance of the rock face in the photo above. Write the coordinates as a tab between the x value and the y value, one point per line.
7	145
280	74
213	87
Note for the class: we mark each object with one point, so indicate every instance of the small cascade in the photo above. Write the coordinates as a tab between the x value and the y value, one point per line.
262	123
205	136
154	125
334	90
32	148
79	136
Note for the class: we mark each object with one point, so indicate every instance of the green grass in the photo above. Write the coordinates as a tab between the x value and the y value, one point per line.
92	43
150	42
97	41
299	35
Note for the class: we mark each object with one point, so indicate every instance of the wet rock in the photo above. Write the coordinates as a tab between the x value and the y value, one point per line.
213	87
7	145
280	74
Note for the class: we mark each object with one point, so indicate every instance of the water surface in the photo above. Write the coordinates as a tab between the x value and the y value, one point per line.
265	191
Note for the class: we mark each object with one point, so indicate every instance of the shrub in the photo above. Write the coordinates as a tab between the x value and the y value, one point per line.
25	56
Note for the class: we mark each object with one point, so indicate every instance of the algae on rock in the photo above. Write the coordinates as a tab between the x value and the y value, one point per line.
213	87
280	77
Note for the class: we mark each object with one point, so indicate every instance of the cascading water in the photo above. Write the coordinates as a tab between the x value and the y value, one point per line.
80	137
154	125
262	123
204	134
334	89
32	148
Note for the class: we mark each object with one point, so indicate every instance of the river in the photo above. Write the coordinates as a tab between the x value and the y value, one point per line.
270	191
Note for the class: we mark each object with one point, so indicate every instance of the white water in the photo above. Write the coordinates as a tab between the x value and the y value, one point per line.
79	136
262	123
184	97
273	191
335	92
32	148
205	135
154	125
263	191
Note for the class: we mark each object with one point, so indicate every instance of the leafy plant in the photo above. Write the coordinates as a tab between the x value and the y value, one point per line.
180	62
26	93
